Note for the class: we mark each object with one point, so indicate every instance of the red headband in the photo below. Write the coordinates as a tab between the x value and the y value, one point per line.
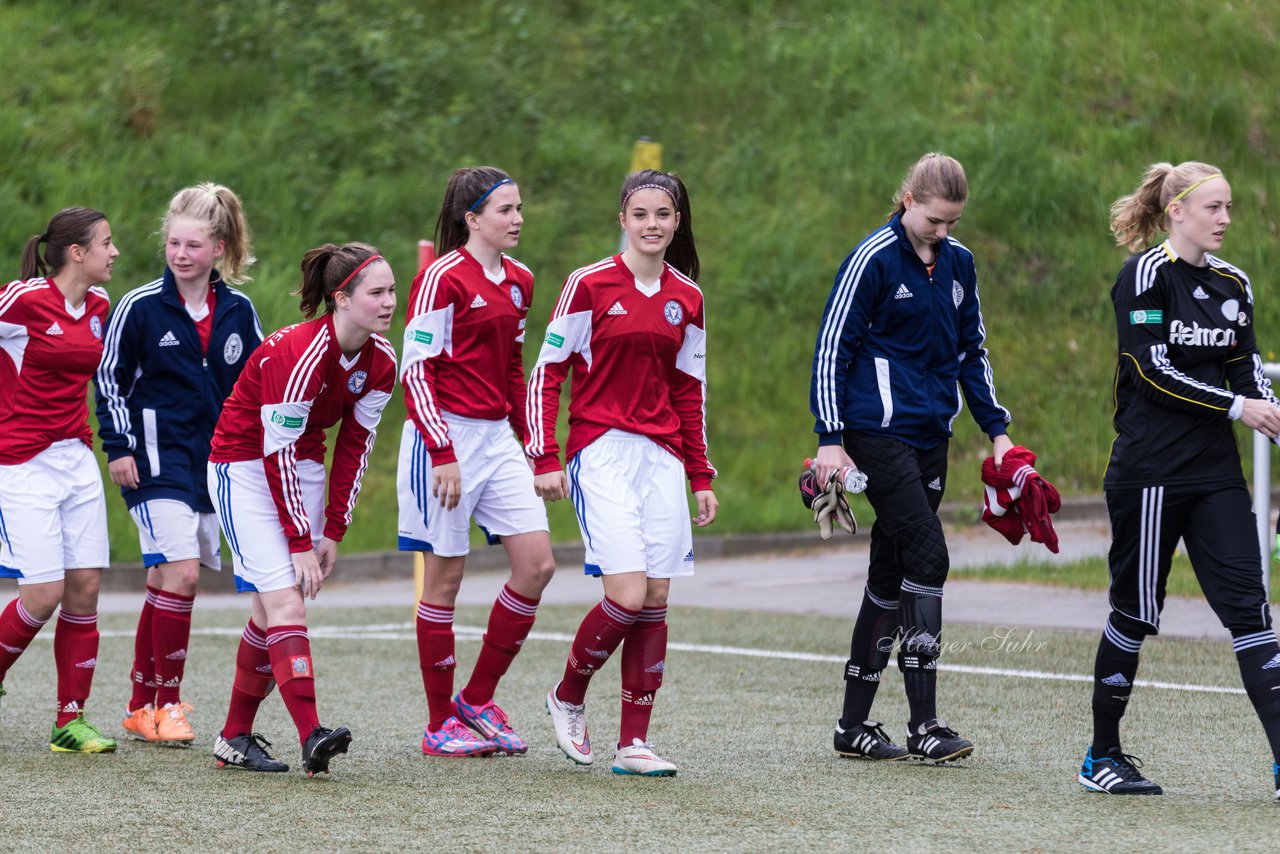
365	263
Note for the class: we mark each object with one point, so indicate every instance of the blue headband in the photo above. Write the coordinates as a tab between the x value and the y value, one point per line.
478	202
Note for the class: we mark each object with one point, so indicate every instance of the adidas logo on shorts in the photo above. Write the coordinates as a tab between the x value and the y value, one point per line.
169	340
478	302
54	330
1116	680
180	655
617	308
903	293
1273	663
90	664
448	662
936	484
660	667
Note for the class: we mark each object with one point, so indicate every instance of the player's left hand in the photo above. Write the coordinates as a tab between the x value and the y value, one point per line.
707	507
327	555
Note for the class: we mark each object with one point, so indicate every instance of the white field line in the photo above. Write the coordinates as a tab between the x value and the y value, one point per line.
406	632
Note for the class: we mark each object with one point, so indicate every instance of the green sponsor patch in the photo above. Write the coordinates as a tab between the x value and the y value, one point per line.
285	420
1148	316
555	340
422	337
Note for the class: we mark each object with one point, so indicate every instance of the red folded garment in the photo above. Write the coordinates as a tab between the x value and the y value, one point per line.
1022	499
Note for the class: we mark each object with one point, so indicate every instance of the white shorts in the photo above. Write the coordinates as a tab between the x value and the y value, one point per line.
629	495
169	531
247	513
53	515
497	489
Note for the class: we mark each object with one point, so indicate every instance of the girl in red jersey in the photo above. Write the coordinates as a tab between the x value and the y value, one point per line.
173	351
631	328
267	476
53	514
465	393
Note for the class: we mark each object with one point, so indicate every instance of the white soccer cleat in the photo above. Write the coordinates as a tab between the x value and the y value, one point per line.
570	722
639	758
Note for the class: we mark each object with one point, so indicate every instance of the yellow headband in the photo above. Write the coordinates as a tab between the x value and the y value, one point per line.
1183	194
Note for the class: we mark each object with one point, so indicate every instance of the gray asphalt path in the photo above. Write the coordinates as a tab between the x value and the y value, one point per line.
828	581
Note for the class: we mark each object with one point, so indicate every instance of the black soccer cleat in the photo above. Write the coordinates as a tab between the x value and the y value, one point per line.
321	746
933	741
867	741
247	752
1115	774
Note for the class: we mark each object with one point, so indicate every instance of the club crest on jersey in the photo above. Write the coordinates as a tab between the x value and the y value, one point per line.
957	293
516	297
673	312
233	349
95	326
355	382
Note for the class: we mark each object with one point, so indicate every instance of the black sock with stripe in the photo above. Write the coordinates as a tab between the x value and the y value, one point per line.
1258	655
1114	670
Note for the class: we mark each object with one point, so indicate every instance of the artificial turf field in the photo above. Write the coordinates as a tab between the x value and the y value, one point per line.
750	732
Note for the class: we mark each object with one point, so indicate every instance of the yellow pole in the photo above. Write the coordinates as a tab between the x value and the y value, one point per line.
646	154
419	579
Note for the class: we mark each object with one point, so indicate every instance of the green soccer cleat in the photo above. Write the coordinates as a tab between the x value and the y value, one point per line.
79	736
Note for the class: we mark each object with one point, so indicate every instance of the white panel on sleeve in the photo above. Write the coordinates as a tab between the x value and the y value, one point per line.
13	340
369	408
692	358
283	424
566	335
427	336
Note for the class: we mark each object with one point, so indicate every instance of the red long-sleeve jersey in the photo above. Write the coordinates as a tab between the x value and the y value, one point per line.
638	357
296	385
463	347
50	352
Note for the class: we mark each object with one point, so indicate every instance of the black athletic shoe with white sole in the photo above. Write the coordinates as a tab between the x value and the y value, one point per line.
245	751
867	741
321	746
933	741
1116	774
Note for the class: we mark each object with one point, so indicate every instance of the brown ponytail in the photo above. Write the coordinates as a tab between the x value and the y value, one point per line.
328	269
69	227
468	191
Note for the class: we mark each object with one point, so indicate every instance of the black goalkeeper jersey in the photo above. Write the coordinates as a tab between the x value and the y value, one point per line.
1187	360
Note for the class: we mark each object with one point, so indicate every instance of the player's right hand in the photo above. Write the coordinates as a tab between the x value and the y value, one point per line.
446	484
551	486
124	472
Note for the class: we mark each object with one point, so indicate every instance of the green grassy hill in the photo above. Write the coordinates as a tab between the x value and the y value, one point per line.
791	122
